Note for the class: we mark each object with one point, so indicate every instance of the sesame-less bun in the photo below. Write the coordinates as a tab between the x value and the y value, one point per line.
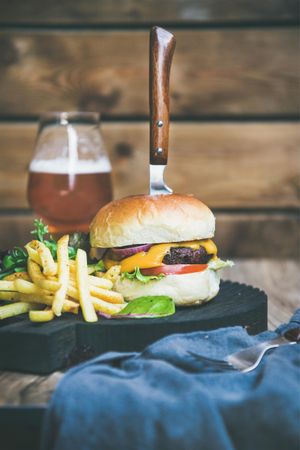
145	219
186	290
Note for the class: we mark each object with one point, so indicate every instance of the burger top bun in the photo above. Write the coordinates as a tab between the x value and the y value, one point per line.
145	219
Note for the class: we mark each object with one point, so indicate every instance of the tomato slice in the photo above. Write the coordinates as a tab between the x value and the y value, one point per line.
174	269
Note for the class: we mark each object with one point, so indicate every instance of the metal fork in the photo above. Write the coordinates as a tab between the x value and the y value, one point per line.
248	359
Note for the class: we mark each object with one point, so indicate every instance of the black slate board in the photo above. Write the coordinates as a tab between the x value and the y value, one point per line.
46	347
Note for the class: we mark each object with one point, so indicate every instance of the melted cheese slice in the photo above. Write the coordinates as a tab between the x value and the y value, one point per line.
155	255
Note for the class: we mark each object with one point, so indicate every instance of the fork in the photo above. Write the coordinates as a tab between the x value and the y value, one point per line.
248	359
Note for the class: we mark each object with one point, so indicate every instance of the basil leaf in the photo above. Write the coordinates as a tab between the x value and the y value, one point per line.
8	261
14	258
18	253
148	306
20	269
140	277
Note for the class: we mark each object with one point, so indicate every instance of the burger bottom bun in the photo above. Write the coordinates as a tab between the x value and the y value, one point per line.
186	290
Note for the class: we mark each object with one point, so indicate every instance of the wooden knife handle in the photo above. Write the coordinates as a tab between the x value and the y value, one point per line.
162	46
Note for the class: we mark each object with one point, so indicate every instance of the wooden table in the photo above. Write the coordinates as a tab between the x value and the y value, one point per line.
279	279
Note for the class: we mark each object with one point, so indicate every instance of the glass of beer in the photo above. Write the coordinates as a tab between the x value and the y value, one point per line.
70	173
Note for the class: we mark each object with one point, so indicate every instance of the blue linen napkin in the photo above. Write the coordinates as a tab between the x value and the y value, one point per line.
163	399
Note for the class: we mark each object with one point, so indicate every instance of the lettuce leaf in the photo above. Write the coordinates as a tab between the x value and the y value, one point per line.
218	264
146	307
140	277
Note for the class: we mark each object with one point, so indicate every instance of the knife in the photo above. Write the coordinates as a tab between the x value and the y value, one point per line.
162	46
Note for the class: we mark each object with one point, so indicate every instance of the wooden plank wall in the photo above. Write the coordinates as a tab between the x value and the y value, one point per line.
234	102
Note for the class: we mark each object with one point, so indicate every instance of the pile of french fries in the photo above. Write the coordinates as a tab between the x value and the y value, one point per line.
50	288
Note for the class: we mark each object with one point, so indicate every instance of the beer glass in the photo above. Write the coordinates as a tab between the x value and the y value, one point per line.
70	173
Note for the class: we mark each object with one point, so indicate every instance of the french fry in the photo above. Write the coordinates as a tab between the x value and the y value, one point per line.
112	273
94	281
99	305
39	279
99	275
39	253
14	309
62	287
72	291
63	270
7	285
9	296
27	287
100	282
106	295
85	300
73	267
32	253
68	306
52	278
47	261
105	307
17	275
102	294
30	298
41	316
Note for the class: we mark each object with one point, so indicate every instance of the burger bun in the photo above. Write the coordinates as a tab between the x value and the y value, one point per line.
186	289
145	219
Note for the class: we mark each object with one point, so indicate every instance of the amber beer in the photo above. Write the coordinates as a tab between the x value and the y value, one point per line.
67	197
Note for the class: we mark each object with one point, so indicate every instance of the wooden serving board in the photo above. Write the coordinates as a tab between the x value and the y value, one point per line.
46	347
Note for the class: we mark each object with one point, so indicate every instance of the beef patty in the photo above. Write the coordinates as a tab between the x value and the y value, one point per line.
186	255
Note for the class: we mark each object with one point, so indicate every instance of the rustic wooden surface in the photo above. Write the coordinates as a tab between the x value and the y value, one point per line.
279	279
215	72
236	166
234	101
227	165
240	234
146	11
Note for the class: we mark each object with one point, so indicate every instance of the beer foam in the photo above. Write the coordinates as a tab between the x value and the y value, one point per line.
64	166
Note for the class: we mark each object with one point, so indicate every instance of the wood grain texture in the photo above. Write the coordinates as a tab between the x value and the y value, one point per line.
146	11
26	388
17	389
232	165
215	72
279	279
237	235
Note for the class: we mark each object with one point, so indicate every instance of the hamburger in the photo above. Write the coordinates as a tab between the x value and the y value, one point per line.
164	246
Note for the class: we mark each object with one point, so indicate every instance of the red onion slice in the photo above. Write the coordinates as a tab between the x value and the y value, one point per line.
125	252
